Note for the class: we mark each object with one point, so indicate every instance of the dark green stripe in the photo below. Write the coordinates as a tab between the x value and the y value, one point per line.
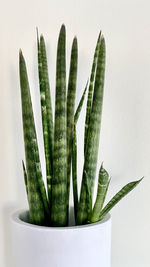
70	107
92	146
46	110
90	91
103	183
36	192
74	173
59	180
122	193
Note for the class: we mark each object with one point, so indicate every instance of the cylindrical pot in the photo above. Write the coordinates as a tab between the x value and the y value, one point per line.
73	246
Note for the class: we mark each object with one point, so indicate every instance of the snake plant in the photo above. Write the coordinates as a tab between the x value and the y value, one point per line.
50	206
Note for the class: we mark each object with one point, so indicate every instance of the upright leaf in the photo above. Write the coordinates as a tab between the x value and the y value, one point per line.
38	205
78	110
74	173
59	203
70	107
90	91
103	183
89	197
92	146
122	193
25	177
46	111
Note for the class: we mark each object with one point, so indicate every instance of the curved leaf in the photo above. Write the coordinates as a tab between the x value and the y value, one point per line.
103	183
122	193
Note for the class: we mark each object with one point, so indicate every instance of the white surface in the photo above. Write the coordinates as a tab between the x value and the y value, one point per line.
125	134
82	246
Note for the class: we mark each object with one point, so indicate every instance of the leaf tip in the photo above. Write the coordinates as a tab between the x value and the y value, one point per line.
63	28
37	31
20	52
23	165
141	179
75	42
41	37
99	36
102	39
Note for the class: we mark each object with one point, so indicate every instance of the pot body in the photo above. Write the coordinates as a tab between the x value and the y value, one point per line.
73	246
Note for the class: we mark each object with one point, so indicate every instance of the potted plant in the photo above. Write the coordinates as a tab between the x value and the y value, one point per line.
44	236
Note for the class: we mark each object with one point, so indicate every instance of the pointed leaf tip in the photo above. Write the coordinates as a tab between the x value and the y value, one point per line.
103	39
37	31
122	193
141	179
63	25
75	42
41	37
20	53
63	28
21	57
100	33
37	34
23	165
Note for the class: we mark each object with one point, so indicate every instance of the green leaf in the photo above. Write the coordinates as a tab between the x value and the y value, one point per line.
70	107
59	204
122	193
90	90
77	113
89	197
92	145
38	205
25	177
46	110
103	183
74	173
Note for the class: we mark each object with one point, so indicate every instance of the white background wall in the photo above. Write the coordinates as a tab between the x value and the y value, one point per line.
125	134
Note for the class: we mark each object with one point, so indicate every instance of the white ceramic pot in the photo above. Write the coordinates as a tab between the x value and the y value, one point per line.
73	246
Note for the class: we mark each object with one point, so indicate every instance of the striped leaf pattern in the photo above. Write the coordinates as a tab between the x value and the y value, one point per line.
70	108
91	154
46	110
36	191
122	193
51	208
90	91
103	183
59	180
89	197
74	173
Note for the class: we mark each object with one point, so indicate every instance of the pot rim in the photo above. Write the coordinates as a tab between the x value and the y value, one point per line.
15	218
